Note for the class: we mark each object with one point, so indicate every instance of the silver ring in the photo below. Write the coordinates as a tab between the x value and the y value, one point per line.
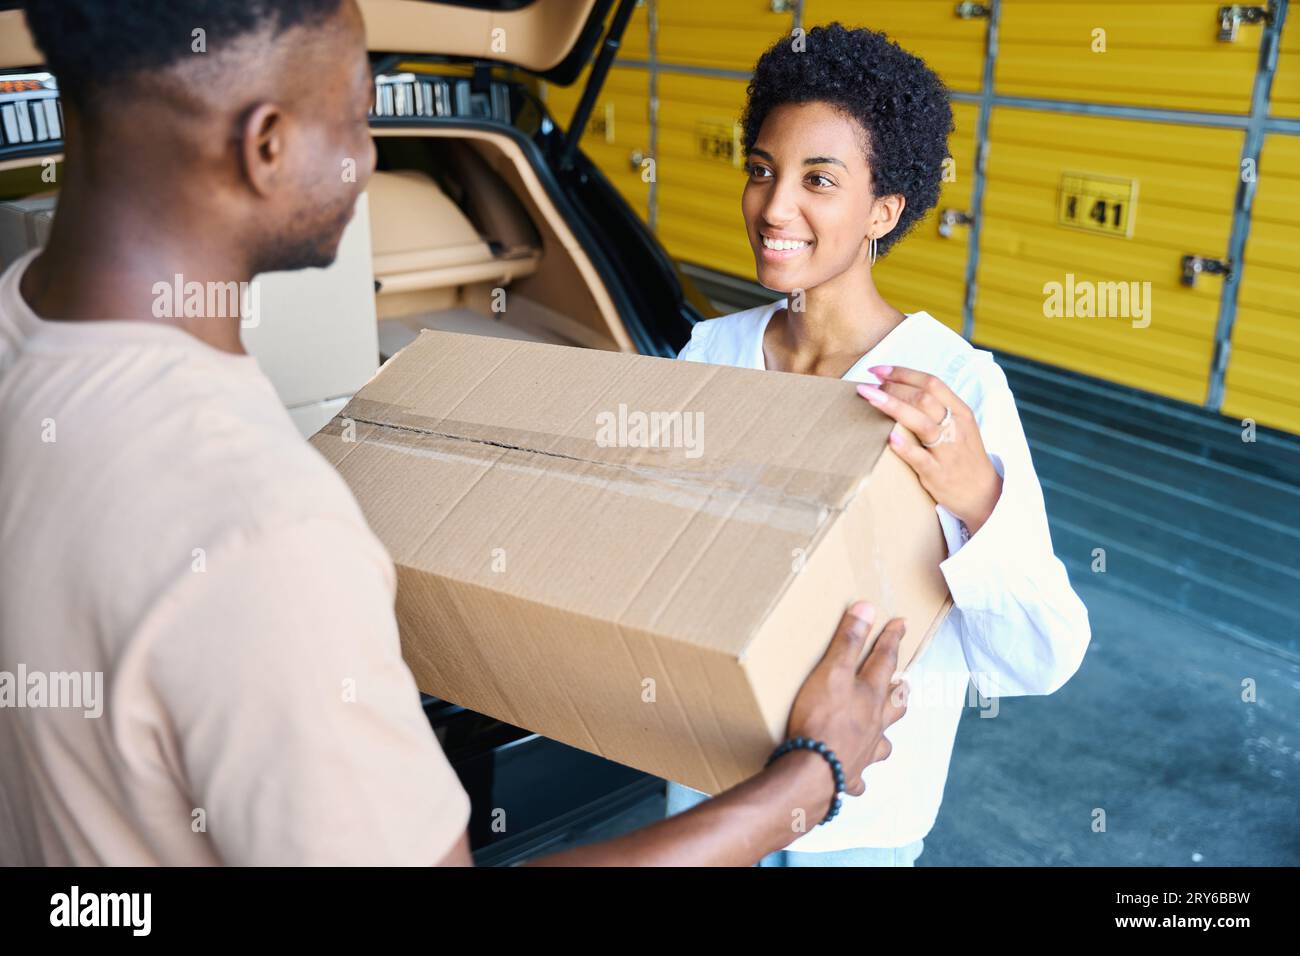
947	418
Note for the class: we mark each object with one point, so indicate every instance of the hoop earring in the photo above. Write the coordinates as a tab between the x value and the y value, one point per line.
871	250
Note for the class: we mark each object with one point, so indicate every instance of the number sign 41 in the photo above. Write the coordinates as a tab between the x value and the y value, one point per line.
1104	205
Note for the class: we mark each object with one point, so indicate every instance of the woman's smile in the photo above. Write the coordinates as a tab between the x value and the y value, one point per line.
808	202
779	248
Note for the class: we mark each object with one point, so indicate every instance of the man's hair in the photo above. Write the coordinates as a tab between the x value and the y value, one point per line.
900	103
90	45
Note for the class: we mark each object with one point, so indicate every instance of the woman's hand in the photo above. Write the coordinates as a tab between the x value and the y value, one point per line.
939	439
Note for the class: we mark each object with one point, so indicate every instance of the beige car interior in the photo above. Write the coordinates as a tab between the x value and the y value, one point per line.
457	232
465	239
536	37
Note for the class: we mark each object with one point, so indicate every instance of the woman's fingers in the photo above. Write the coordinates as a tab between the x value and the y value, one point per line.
905	413
906	446
930	384
917	397
930	394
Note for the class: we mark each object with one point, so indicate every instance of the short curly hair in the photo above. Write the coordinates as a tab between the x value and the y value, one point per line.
92	44
900	103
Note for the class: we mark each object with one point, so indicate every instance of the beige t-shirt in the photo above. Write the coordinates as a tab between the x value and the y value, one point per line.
165	532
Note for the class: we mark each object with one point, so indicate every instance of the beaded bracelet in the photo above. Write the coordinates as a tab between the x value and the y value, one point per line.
837	769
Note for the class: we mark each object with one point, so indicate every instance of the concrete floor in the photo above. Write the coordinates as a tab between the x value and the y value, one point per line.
1152	730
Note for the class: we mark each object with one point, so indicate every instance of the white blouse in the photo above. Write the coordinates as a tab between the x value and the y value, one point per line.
1016	627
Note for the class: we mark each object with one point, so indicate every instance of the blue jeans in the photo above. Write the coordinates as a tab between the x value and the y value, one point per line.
683	798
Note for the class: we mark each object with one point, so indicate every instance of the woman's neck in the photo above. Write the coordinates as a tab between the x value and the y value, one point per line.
840	321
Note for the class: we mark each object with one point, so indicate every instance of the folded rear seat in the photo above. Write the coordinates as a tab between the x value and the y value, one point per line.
421	240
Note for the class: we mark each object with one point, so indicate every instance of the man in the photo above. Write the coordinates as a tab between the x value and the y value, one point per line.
162	523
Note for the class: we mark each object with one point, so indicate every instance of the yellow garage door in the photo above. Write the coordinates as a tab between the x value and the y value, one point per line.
1085	223
617	137
720	34
562	100
927	270
700	174
953	46
636	38
1263	380
1286	83
1161	53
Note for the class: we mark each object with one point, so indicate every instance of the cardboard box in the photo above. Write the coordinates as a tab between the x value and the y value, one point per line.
25	225
652	595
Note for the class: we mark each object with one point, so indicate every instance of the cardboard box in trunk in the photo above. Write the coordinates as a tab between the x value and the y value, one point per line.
640	557
24	225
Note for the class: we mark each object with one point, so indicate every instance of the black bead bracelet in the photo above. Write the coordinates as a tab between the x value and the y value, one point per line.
837	768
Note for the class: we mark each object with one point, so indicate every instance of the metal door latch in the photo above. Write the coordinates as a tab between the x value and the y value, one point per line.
973	11
1232	17
953	217
1193	266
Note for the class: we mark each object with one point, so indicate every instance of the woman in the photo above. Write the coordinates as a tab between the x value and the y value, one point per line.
845	140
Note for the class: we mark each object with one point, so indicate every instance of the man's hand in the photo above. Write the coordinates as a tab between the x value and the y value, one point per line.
845	706
848	707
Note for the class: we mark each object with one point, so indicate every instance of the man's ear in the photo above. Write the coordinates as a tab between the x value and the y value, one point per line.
262	147
885	213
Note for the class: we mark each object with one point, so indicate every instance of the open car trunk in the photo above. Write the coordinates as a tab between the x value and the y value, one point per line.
466	239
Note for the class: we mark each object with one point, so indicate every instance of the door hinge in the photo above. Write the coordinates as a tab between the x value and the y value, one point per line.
949	218
973	11
1193	266
1234	15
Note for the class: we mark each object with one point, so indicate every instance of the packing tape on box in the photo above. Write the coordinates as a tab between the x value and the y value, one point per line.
749	492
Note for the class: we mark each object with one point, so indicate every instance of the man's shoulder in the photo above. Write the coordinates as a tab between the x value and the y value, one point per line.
252	468
252	491
184	452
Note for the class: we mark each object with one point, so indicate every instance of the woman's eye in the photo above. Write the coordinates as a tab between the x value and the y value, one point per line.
758	172
817	179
